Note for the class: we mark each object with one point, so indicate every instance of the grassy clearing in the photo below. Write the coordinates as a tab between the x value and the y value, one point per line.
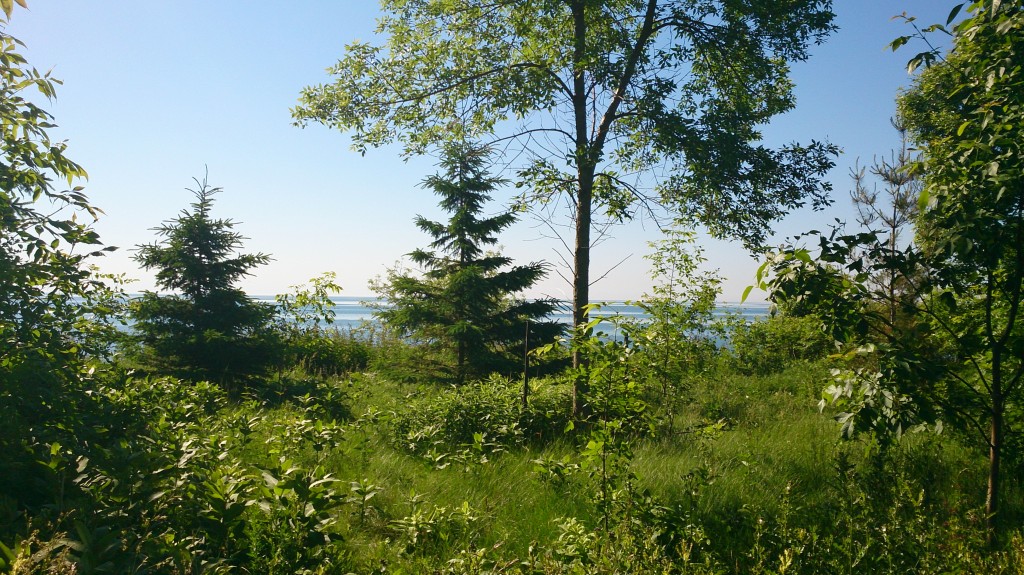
744	451
365	475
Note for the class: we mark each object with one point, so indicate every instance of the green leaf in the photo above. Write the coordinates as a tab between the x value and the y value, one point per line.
746	292
953	13
761	272
898	43
923	200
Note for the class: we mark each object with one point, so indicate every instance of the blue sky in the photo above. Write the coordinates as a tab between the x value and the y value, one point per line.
156	90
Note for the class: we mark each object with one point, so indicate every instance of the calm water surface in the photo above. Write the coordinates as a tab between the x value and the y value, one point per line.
351	312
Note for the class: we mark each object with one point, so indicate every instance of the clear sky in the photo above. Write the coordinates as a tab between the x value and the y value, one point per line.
156	90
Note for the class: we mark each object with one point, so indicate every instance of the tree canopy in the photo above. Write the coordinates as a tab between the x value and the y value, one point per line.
617	104
967	112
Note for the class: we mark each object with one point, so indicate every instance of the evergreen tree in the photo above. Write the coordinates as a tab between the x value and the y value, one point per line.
463	303
208	328
893	212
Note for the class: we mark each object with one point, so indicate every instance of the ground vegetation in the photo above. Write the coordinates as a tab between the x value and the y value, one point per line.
706	447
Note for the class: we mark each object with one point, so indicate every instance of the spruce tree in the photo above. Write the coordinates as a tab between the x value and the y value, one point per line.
207	328
464	304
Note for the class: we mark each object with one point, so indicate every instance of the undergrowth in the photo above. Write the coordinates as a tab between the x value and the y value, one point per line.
362	474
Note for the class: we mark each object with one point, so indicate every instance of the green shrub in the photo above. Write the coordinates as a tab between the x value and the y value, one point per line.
328	353
400	361
440	529
489	411
768	346
457	415
308	341
549	409
324	399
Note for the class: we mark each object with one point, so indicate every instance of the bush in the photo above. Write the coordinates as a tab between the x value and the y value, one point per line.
398	360
453	419
324	399
328	353
488	412
768	346
549	410
303	320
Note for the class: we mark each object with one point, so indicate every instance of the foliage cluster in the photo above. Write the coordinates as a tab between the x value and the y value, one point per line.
329	353
770	345
174	477
156	482
486	415
304	319
52	305
678	339
954	351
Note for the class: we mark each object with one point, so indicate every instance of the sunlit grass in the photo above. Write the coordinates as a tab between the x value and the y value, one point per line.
741	447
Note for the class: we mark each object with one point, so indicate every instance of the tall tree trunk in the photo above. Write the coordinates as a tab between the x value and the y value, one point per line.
584	196
581	287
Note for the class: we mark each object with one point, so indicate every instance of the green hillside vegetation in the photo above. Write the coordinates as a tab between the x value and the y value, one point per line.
871	424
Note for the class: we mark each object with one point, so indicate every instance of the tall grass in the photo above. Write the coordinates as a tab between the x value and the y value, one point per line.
747	477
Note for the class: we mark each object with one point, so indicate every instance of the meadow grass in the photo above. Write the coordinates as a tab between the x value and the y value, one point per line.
743	449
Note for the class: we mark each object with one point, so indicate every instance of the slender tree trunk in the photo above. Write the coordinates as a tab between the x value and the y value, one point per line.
584	196
526	365
581	289
995	452
994	460
892	273
581	275
992	499
460	363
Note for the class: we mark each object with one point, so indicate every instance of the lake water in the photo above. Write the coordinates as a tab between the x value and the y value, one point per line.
351	312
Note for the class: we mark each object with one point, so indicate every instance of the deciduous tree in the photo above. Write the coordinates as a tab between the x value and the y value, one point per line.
966	112
964	359
47	291
612	102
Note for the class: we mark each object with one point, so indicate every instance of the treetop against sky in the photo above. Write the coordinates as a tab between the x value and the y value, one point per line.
154	92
